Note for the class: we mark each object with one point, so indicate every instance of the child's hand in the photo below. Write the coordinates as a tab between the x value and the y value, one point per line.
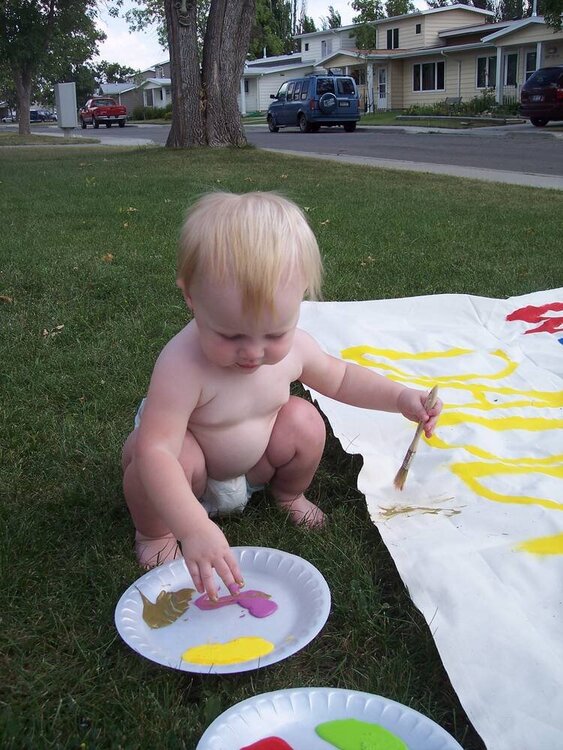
411	405
205	549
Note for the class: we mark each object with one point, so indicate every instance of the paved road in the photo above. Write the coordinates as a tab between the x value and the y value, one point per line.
517	154
508	149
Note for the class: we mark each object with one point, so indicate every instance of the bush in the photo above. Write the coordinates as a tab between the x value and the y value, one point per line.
482	105
152	113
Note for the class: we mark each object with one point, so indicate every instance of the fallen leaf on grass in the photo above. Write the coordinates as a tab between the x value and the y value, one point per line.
323	223
5	298
108	257
53	332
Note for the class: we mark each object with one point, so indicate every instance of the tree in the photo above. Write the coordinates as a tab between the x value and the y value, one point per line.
271	29
307	25
333	20
204	95
399	7
511	10
108	72
552	11
39	37
368	10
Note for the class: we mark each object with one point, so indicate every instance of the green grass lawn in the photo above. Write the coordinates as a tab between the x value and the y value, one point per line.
87	300
14	139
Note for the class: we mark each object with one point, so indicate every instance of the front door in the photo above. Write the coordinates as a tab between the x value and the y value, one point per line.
382	88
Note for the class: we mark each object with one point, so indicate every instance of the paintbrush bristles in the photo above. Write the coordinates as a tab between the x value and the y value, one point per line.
401	476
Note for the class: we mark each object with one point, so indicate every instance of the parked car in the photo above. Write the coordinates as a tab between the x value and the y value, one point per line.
41	115
541	99
102	110
313	101
9	118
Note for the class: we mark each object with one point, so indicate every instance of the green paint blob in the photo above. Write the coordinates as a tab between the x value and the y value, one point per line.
351	734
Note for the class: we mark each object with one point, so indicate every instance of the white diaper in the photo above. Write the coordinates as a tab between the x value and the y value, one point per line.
220	498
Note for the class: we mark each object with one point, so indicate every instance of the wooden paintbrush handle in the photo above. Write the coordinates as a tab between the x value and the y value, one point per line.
428	404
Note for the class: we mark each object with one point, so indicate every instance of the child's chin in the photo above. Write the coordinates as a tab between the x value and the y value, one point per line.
247	368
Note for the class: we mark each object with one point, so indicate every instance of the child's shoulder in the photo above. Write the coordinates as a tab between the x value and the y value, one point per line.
182	350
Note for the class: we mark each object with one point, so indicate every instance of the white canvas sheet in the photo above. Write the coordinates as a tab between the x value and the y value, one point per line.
477	532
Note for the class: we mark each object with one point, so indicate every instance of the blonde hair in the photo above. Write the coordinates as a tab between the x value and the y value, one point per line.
257	239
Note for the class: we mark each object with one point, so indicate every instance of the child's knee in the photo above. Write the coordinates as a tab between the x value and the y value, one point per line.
128	450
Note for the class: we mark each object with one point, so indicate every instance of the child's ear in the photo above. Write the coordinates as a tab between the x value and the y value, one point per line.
185	293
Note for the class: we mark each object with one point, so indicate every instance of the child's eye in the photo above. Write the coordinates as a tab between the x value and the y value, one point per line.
230	338
275	335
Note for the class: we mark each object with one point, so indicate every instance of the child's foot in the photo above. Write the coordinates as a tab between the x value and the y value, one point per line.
153	551
303	512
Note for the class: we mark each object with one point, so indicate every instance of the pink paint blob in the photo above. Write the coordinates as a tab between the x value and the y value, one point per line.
257	603
268	743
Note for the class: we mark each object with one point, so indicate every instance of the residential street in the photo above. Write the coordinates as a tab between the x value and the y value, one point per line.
518	154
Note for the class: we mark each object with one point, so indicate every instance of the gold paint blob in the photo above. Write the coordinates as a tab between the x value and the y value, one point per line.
168	607
236	651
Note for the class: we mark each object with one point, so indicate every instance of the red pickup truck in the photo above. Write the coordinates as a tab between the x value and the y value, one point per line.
102	110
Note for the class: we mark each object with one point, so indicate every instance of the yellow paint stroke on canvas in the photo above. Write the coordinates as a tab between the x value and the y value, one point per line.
505	398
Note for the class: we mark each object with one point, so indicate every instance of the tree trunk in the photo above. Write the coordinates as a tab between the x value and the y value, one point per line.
22	82
204	100
187	128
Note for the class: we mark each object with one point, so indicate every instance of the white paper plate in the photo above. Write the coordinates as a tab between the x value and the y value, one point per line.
297	587
292	715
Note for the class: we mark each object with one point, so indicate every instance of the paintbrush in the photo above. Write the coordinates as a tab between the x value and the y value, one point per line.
401	476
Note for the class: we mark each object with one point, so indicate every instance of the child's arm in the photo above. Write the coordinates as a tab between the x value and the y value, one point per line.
161	438
361	386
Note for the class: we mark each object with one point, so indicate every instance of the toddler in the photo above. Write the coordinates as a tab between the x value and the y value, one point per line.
218	421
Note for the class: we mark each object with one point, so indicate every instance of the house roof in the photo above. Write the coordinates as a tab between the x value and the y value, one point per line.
156	82
116	88
463	30
402	53
443	9
514	26
257	72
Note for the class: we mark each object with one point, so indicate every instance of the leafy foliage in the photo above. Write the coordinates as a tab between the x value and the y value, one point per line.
39	39
333	20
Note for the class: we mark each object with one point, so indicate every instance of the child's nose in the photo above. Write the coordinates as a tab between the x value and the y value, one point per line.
253	350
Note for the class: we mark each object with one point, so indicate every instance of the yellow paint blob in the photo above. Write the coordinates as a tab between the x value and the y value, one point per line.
544	545
236	651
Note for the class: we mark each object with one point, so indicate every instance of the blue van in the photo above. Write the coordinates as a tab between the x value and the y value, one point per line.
315	100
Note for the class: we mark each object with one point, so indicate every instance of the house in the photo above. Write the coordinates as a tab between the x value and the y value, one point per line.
419	58
148	88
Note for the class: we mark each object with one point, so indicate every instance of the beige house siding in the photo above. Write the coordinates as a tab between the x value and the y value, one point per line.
408	38
452	19
535	33
395	92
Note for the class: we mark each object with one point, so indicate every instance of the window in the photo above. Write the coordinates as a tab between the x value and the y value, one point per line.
325	86
428	76
392	38
345	87
418	28
531	63
282	91
486	72
304	89
297	90
510	69
326	48
306	46
290	87
246	85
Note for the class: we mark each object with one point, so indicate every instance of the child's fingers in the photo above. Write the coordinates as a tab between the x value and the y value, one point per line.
229	576
203	578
